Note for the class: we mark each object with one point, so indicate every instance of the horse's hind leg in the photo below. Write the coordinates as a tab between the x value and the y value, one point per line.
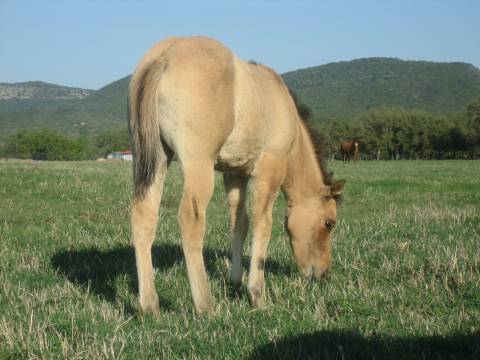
198	189
144	219
236	189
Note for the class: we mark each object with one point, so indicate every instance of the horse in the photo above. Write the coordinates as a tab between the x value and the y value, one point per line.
350	148
194	99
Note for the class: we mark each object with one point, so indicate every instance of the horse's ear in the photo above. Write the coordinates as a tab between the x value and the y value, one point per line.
336	188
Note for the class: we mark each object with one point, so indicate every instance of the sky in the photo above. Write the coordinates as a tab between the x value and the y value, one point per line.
89	44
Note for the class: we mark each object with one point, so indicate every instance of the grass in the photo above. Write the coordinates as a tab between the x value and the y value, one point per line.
405	281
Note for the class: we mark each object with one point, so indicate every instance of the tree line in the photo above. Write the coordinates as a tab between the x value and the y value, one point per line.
384	133
396	133
48	144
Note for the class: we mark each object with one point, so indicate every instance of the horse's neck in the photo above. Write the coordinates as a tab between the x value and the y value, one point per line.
303	177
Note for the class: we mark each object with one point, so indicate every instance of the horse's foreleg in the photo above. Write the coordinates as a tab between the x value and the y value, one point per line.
236	190
144	217
198	189
267	179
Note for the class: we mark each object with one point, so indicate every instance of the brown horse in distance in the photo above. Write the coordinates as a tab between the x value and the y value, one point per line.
350	148
194	99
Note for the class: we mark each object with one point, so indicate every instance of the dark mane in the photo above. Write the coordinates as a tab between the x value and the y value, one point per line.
305	113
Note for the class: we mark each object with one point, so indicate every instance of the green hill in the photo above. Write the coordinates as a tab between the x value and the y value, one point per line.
345	89
335	90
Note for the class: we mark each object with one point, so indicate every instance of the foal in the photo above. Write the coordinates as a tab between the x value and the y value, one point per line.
193	98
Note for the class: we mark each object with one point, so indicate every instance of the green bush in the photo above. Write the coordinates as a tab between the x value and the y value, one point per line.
47	144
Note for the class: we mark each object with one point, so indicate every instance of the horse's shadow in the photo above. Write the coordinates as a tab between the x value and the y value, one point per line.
97	270
347	344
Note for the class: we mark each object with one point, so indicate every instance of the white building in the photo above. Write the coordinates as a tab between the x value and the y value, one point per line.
121	155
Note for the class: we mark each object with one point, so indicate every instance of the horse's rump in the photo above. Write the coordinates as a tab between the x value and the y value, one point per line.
194	93
171	97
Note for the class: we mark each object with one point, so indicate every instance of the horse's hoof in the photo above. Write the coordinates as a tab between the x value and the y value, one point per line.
236	283
205	305
257	297
150	305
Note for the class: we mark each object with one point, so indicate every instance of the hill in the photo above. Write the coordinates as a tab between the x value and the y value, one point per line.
38	90
335	90
345	89
91	114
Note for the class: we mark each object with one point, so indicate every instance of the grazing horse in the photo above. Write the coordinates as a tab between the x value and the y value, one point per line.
193	98
350	148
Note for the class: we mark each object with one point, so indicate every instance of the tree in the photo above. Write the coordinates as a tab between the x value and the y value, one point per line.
112	140
473	123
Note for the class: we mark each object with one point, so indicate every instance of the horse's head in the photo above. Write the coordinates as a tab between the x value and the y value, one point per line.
309	226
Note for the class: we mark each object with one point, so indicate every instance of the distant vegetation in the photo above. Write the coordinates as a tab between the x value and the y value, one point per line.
397	133
48	144
384	133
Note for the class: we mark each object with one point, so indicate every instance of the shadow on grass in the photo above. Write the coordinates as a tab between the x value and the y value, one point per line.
351	345
98	269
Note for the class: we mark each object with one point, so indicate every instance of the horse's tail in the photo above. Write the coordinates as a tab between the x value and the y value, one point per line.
144	124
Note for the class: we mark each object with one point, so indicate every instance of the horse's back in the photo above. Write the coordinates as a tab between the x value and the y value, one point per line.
346	146
210	101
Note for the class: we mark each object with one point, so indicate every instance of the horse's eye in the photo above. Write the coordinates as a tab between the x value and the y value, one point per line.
329	224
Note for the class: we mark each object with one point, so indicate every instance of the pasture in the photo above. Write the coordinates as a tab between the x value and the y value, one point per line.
405	280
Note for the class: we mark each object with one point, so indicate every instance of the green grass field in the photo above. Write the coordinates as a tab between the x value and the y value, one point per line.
405	281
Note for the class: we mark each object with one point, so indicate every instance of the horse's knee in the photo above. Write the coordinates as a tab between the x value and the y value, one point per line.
191	219
190	212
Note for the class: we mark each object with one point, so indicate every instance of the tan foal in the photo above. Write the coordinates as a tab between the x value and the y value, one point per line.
193	98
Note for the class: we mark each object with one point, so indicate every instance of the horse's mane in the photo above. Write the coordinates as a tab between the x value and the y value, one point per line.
305	114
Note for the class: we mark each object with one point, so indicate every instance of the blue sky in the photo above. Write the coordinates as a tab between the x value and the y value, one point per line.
92	43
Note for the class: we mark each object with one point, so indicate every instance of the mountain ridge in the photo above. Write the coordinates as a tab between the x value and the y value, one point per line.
347	88
41	90
337	90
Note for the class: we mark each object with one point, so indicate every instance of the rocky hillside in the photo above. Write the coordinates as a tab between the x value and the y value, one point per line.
38	90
